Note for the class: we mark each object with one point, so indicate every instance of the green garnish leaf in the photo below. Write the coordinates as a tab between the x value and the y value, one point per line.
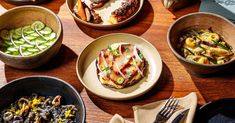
210	59
127	49
128	75
221	45
202	47
110	48
141	55
108	70
189	51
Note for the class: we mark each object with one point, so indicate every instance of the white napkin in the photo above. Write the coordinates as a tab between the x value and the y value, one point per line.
147	113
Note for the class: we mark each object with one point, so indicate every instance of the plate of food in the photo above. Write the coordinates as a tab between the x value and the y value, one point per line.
119	66
200	44
104	14
40	99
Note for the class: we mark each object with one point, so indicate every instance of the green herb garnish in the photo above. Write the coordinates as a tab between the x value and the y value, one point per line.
209	58
202	47
110	48
127	49
221	45
141	55
128	75
189	51
108	70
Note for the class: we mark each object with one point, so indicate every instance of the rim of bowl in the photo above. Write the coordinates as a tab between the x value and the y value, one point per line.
105	26
60	30
120	98
203	107
55	78
180	56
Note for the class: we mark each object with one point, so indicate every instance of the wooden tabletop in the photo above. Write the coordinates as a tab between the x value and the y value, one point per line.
152	24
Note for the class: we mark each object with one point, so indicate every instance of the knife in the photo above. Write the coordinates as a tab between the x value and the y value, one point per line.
180	116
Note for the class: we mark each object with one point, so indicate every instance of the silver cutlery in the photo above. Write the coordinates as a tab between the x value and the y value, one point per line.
167	110
180	116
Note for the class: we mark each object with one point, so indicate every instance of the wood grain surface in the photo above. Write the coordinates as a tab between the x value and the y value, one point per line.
152	24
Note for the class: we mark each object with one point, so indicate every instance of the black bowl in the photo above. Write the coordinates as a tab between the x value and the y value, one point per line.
45	86
219	111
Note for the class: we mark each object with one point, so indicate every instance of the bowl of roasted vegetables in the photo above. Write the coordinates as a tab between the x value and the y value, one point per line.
203	42
104	14
40	99
29	36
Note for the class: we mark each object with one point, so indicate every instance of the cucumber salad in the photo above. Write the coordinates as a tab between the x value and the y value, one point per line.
27	40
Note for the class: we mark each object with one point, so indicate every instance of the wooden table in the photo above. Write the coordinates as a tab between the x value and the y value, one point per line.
152	24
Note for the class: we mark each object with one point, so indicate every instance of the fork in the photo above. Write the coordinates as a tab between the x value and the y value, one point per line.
167	110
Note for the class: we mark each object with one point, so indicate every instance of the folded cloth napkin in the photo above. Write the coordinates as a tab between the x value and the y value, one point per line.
147	113
224	8
118	119
220	118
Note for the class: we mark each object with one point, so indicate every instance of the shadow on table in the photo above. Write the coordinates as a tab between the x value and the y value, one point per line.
216	86
53	5
61	66
137	26
162	90
189	9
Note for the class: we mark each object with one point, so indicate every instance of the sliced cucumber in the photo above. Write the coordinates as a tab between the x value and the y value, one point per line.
27	40
120	80
46	31
40	41
42	46
27	30
22	40
16	53
8	42
38	24
19	42
33	50
27	46
12	49
50	36
48	43
18	31
7	52
5	34
27	53
28	37
15	36
34	34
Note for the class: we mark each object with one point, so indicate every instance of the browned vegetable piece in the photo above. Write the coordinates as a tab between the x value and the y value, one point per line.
80	10
56	100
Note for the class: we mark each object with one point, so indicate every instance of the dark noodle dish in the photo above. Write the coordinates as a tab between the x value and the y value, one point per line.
39	109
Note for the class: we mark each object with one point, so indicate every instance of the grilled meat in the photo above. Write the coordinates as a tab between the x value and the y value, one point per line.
127	9
120	65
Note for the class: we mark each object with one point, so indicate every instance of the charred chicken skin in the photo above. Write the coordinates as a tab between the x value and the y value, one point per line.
127	9
98	3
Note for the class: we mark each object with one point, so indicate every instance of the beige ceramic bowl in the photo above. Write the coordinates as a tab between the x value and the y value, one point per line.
72	3
201	20
26	15
86	67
